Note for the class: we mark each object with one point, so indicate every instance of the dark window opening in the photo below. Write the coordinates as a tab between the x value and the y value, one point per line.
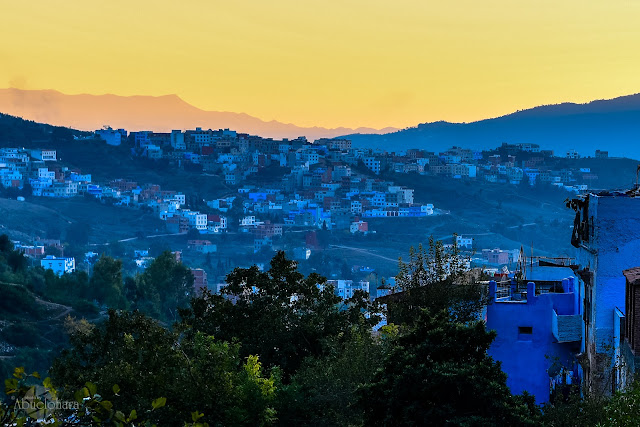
526	330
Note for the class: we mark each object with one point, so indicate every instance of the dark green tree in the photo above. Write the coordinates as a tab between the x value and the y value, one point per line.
439	373
17	261
165	286
436	279
6	245
148	361
323	391
279	314
589	409
106	282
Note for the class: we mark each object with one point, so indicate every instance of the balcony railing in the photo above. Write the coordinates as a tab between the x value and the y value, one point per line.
566	328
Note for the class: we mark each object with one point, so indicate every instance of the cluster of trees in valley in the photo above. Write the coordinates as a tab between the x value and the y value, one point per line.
275	348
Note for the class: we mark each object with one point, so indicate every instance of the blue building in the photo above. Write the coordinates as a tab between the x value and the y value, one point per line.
607	235
581	325
538	335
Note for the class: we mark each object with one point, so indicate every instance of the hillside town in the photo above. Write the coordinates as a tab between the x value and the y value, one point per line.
323	185
238	156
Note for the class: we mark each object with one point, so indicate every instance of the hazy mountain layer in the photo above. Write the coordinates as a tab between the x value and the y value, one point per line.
157	113
612	125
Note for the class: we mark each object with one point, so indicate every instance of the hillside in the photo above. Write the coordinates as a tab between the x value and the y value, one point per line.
15	131
157	113
612	125
55	218
114	162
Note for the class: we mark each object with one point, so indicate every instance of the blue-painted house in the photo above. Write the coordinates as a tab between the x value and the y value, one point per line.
607	235
534	331
538	336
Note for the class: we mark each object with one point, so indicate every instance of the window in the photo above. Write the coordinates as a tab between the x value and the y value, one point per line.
525	333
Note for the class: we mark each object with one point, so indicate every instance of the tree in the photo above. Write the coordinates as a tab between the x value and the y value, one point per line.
6	245
437	279
17	261
278	314
323	391
12	259
235	213
587	410
146	361
439	373
165	286
106	282
623	409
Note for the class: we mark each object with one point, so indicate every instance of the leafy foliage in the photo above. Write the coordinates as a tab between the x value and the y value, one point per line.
106	282
436	279
146	360
323	391
165	286
279	314
439	373
623	409
32	404
287	350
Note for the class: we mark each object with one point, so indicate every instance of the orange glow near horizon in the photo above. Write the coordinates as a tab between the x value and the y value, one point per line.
332	63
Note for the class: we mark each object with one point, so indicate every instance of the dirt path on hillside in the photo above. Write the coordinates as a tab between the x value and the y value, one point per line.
365	251
50	305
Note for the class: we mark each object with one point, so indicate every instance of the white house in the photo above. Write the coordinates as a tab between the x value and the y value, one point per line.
197	220
427	209
248	221
110	136
372	164
464	242
346	288
44	155
177	140
59	265
573	154
46	174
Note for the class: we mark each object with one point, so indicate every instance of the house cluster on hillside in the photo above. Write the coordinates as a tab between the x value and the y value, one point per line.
19	166
42	250
237	156
326	184
502	166
318	184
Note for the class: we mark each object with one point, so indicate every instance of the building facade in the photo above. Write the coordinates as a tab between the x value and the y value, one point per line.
59	266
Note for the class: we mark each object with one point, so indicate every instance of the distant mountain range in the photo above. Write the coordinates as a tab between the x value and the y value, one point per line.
612	125
157	113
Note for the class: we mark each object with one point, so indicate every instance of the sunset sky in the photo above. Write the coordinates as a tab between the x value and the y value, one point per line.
329	63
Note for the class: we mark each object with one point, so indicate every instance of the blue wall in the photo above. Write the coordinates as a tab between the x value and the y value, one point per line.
526	358
614	247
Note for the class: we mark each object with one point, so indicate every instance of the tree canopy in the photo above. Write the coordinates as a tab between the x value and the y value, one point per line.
279	314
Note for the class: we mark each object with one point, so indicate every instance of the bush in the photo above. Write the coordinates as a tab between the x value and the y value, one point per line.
16	300
85	307
21	335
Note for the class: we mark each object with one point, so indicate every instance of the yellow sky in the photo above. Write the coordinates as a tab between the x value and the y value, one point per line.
332	62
